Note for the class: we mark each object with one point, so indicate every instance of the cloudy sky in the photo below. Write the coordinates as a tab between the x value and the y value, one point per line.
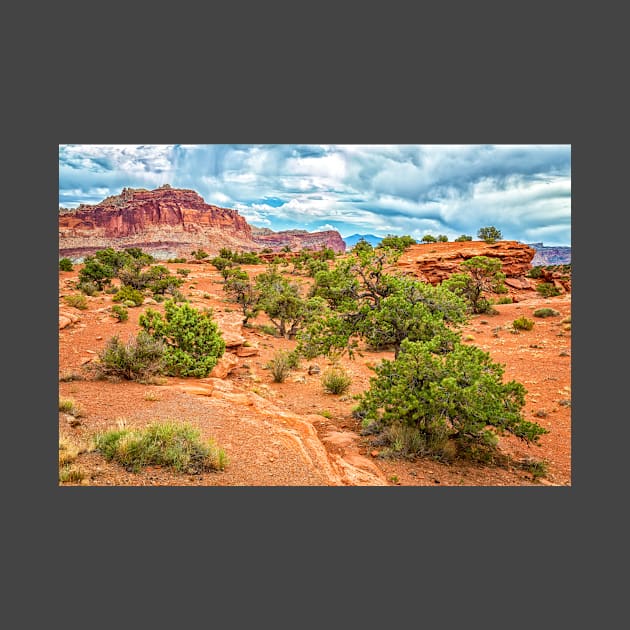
523	190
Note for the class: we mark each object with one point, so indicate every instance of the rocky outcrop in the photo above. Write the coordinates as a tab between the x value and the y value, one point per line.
434	262
298	239
172	222
167	221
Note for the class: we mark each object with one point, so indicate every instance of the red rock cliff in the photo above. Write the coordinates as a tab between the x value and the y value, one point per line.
168	219
433	262
299	239
170	222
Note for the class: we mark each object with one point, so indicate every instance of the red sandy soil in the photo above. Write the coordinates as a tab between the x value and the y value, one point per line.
293	433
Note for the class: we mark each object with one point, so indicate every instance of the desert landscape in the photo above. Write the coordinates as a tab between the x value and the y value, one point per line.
294	433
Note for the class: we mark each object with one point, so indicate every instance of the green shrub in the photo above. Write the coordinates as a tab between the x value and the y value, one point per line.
537	467
280	365
546	312
178	296
169	444
547	289
87	287
97	272
506	299
192	340
534	272
76	300
457	397
176	260
128	294
65	264
68	405
269	330
120	313
522	323
480	274
183	272
293	358
137	360
69	474
336	380
489	234
463	238
199	254
400	243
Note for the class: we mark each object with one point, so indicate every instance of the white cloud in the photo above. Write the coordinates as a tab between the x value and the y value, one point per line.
407	189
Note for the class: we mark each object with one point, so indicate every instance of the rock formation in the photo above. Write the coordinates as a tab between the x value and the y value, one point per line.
434	262
170	222
298	239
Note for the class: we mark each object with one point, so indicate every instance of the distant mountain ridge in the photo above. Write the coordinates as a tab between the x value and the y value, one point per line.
550	255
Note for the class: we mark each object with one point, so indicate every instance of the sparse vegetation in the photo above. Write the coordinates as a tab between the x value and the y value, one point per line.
127	294
537	467
69	376
199	254
444	405
120	312
522	323
87	287
336	380
547	289
76	300
169	444
535	272
68	454
280	365
65	264
69	406
545	312
136	360
69	474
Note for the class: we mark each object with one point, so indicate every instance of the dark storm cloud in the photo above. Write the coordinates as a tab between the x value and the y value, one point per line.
452	189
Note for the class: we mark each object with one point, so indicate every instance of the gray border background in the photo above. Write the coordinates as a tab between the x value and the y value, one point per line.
293	557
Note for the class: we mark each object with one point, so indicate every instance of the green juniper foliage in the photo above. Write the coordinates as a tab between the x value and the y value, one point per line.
457	396
489	234
364	302
480	274
193	342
